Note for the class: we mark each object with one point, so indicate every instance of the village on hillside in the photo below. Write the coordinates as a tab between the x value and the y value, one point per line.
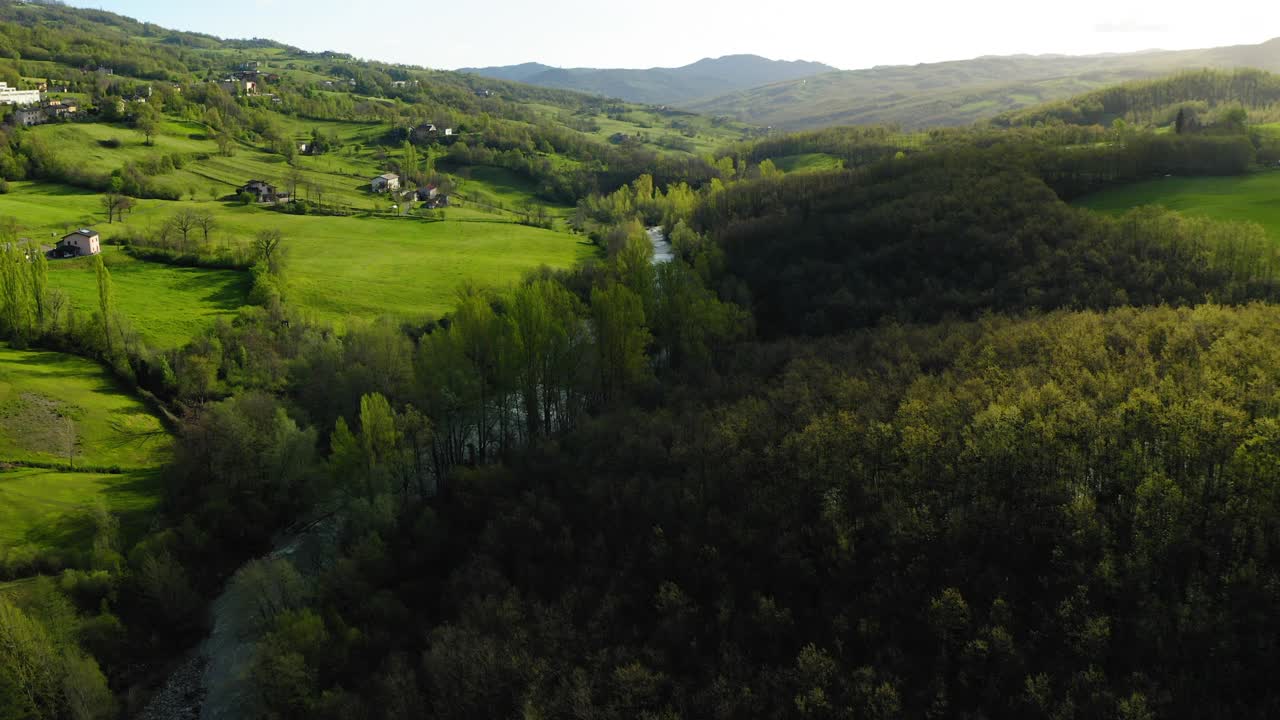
61	101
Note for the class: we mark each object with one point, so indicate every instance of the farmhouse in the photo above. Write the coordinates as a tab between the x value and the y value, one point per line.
234	86
385	183
27	117
14	96
41	114
79	243
263	192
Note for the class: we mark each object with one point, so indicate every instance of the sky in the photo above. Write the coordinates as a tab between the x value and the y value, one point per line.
665	33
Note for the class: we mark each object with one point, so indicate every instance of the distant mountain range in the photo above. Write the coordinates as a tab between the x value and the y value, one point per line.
961	92
705	79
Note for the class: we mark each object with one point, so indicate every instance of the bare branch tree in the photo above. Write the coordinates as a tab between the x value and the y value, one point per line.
206	222
111	202
267	243
184	221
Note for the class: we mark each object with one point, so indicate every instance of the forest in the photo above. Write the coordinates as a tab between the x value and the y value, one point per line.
909	437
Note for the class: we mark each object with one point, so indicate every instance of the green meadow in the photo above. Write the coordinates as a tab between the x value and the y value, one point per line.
164	304
1254	197
339	267
367	267
45	509
339	177
701	133
63	410
807	162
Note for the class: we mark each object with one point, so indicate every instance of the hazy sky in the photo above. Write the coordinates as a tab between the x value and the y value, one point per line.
846	33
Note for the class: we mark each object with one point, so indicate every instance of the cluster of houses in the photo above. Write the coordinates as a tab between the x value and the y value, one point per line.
431	129
45	112
430	195
248	80
264	192
32	108
238	86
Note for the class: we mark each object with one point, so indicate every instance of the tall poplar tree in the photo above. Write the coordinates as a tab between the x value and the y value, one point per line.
106	303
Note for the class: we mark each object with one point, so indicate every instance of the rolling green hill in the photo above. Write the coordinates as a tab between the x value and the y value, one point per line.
709	77
167	119
961	92
1201	96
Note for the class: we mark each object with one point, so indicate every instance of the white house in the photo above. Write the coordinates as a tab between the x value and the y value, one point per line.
386	183
235	86
81	242
14	96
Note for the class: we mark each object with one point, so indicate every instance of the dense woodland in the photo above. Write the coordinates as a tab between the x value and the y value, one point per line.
913	438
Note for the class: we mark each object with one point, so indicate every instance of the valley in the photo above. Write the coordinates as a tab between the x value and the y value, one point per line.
351	389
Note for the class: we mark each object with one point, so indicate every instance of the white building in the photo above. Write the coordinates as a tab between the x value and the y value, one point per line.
79	243
386	183
14	96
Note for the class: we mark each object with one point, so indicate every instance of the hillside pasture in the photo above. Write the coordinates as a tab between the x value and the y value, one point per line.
365	266
337	267
1254	197
370	267
338	177
71	437
59	409
45	511
166	305
807	162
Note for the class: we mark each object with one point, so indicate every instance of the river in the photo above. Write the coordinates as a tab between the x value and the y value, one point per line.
212	683
662	252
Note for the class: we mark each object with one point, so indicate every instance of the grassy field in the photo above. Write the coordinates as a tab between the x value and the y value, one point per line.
661	130
367	267
165	305
44	509
1247	197
808	162
341	176
56	408
339	266
61	409
500	188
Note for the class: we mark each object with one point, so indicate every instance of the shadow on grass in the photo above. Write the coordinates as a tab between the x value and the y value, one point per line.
132	498
70	532
228	290
52	364
135	500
